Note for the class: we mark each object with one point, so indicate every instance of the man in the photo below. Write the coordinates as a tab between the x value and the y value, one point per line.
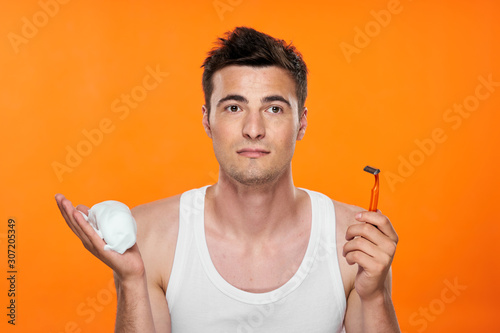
251	253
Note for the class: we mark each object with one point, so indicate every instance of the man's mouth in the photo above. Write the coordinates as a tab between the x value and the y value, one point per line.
253	152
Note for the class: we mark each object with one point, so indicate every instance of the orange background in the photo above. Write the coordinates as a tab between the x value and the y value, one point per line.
368	107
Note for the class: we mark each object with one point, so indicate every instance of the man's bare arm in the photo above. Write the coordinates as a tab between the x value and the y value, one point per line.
376	315
157	229
134	312
140	304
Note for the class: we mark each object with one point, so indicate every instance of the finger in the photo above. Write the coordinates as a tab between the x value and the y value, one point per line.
360	244
373	234
371	264
92	239
59	200
367	231
84	209
358	257
69	212
73	222
66	209
380	221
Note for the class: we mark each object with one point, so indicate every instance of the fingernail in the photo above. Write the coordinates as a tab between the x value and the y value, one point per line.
358	215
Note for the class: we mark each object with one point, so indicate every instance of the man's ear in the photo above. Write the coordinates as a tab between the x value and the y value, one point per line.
302	124
205	121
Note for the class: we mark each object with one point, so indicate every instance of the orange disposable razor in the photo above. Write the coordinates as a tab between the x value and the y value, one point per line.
374	198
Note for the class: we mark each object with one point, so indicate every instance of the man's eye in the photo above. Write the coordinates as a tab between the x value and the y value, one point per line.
275	109
233	108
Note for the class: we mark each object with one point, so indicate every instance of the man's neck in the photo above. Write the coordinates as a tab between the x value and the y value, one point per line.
253	212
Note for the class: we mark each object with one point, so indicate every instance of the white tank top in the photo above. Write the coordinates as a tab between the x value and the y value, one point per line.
200	300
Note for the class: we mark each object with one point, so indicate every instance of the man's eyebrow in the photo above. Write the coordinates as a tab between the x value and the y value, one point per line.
264	100
273	98
237	98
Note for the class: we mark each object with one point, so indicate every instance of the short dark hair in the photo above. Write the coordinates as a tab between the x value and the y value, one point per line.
247	47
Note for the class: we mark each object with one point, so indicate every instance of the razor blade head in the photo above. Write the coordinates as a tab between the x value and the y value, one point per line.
371	170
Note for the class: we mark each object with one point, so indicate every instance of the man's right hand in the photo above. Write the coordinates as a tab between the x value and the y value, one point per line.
126	266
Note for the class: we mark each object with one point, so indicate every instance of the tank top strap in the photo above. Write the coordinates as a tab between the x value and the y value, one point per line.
327	249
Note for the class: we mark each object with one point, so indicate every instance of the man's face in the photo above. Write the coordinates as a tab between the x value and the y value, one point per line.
254	122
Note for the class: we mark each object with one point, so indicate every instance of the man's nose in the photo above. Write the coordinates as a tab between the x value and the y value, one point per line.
254	125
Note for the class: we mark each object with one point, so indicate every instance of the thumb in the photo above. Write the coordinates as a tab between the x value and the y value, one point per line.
84	209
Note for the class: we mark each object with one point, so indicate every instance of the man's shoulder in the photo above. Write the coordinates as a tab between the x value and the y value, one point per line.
157	229
345	213
158	210
157	221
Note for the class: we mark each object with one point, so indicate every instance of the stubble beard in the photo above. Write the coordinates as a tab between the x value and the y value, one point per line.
255	175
